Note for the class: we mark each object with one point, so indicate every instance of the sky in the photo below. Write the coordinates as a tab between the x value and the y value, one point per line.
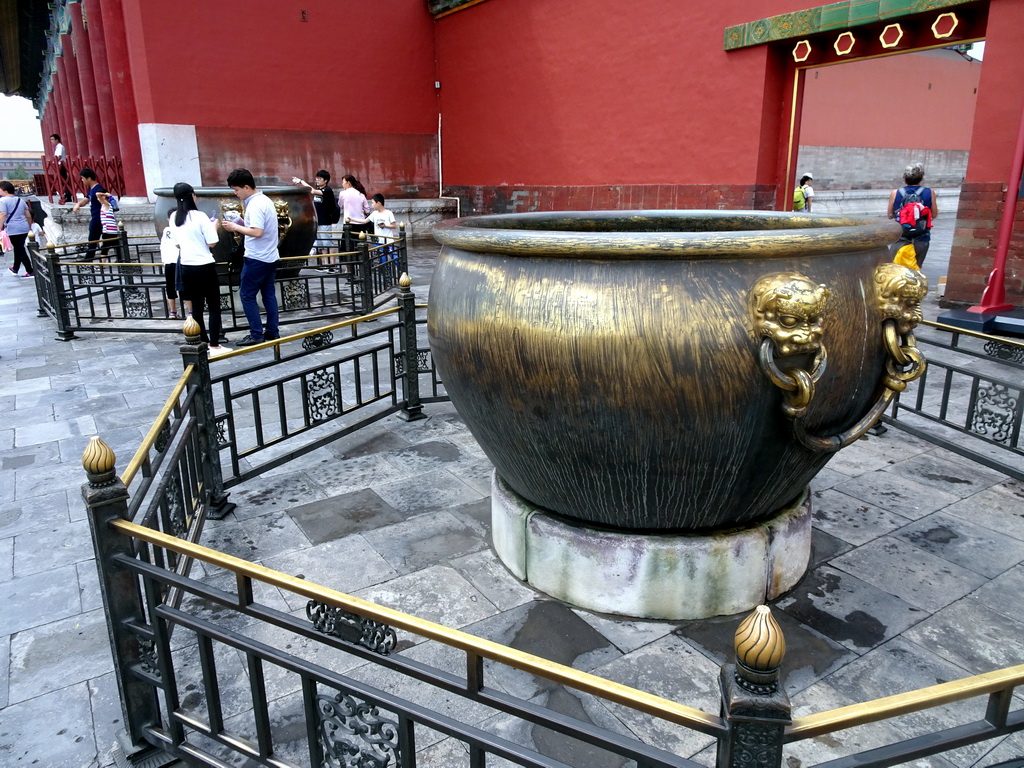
19	127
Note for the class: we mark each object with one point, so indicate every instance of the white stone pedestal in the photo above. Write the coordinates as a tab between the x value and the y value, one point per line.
654	576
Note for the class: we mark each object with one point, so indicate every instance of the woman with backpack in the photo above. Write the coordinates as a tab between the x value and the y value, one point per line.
914	197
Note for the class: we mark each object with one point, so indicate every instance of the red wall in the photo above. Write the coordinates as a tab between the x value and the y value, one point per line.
940	88
575	93
205	68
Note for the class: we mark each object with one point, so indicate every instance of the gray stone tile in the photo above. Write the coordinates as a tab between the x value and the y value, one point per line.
6	439
30	734
38	599
89	585
971	546
957	475
971	636
50	547
897	494
999	508
427	539
256	538
857	459
852	520
425	456
5	672
24	387
821	697
367	441
27	417
41	480
107	715
486	572
1003	594
693	680
912	574
56	655
425	492
1007	750
825	546
232	679
45	433
347	565
6	559
262	494
900	666
58	396
825	479
337	477
847	610
338	516
625	634
438	593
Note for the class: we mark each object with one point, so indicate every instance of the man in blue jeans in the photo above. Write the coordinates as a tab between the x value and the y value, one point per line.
261	256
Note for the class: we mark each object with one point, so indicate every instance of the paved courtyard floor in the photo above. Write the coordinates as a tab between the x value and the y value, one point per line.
917	576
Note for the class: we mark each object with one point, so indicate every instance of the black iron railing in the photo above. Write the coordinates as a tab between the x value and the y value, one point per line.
117	284
970	399
212	672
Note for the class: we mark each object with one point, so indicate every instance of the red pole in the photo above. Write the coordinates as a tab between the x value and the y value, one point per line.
87	81
125	112
993	299
69	58
101	74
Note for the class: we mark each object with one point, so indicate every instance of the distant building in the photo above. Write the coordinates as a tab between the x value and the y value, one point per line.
32	162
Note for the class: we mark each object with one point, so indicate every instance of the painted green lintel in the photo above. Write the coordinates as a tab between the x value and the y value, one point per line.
825	18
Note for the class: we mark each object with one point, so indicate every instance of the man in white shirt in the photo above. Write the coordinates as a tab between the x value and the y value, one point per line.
259	267
59	155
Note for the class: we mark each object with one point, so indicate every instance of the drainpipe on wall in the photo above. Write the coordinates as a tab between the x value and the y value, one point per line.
993	299
440	173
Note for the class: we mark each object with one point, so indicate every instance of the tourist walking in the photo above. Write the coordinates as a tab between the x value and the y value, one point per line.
194	233
353	202
921	206
16	222
803	195
325	204
259	267
92	197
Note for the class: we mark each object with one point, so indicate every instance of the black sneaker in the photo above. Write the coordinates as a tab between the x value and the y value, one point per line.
271	336
249	341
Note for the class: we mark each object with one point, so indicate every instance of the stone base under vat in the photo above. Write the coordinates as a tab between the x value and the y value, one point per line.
654	576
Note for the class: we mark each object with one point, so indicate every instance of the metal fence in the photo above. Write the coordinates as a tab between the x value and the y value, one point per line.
969	400
118	284
215	671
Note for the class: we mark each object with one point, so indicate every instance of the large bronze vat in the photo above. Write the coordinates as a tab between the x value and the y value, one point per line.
295	215
669	370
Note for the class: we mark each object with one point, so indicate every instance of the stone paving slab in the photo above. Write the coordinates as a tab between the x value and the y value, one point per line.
917	574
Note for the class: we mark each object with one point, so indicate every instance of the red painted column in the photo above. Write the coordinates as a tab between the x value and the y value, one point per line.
126	115
65	117
87	81
101	73
74	94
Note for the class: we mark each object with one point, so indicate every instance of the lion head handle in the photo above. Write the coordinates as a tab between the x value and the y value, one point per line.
900	292
787	308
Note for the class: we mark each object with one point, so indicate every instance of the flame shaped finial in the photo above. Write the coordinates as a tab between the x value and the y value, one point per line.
191	330
760	648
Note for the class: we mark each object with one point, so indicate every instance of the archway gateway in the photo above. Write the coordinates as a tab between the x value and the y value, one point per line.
842	32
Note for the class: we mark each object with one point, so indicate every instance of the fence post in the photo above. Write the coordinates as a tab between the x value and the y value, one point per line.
366	275
42	280
106	500
403	252
122	242
59	300
755	708
412	410
346	237
194	352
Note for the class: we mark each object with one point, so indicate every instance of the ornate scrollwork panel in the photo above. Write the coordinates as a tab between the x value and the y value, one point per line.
221	424
317	340
175	506
295	294
756	745
1011	352
147	657
322	395
995	411
136	303
423	360
373	635
163	437
354	734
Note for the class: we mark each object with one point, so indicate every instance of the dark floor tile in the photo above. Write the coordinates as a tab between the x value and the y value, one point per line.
330	519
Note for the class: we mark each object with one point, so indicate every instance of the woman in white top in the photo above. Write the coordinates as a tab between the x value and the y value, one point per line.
194	232
352	200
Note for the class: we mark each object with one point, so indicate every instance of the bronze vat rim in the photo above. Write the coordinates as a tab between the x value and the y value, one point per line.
661	234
